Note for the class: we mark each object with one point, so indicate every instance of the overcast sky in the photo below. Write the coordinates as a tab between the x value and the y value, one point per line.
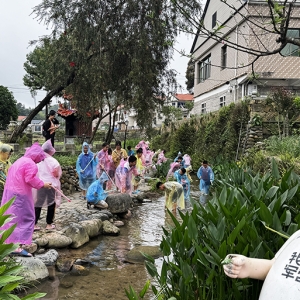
18	27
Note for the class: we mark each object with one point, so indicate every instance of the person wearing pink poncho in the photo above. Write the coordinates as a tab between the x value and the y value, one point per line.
102	159
21	178
50	171
124	173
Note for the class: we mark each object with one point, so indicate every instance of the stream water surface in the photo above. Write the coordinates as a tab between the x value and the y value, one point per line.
109	274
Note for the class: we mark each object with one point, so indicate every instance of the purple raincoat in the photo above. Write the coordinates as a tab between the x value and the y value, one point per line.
20	180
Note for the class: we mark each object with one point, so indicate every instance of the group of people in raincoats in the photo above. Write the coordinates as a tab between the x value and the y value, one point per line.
32	181
107	171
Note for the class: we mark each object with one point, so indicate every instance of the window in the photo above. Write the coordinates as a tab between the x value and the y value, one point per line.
222	101
38	128
290	49
204	69
223	57
203	108
214	20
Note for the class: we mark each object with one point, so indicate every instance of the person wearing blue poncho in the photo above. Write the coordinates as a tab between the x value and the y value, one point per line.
95	193
86	168
206	176
181	177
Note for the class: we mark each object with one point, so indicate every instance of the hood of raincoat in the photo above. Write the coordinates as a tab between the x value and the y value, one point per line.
87	145
103	178
5	148
35	152
48	148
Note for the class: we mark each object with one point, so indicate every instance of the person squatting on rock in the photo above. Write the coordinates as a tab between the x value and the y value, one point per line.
124	173
174	195
118	154
95	194
281	274
182	178
5	152
206	176
86	168
21	178
50	126
49	170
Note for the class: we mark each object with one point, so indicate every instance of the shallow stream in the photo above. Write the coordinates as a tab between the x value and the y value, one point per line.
108	274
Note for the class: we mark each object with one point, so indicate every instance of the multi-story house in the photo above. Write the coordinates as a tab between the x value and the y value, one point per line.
223	72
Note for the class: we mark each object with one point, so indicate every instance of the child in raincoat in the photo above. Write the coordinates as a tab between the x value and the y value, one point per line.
140	166
86	168
182	178
124	173
5	151
21	178
48	170
96	194
174	195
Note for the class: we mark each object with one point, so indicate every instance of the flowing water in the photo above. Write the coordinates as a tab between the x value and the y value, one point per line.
108	274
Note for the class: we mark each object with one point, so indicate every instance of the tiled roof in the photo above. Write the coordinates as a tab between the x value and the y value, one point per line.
184	97
21	118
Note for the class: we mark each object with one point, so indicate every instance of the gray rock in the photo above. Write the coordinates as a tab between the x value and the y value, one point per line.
92	227
118	223
135	255
49	258
58	240
30	248
110	229
33	268
65	283
118	203
78	235
42	241
101	216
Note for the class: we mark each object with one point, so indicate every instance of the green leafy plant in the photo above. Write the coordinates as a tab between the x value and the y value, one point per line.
133	295
240	218
10	281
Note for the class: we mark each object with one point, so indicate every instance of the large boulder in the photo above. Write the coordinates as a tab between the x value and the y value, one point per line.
78	234
33	268
118	203
135	255
92	227
110	229
57	239
49	258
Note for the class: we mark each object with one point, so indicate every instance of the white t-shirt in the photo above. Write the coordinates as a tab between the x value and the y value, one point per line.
283	279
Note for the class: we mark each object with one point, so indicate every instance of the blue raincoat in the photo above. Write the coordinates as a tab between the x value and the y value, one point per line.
206	176
95	192
87	177
185	182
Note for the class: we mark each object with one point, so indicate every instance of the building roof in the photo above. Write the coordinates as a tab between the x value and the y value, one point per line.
21	118
184	97
37	121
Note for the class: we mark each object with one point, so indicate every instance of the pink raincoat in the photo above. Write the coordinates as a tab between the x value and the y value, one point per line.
110	169
124	175
20	180
174	166
103	158
49	171
161	158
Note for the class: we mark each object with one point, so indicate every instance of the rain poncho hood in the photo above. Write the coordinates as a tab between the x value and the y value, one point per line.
5	148
35	152
48	148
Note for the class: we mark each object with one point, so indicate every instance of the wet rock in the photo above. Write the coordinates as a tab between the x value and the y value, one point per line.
58	240
92	227
118	223
65	283
41	251
118	203
33	268
110	229
77	234
30	248
100	215
42	241
126	215
64	264
79	270
135	255
82	262
49	258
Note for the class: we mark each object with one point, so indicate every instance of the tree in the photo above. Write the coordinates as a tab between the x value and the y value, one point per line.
190	75
98	47
8	107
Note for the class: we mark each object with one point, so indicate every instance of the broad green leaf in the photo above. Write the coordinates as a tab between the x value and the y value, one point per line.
231	238
145	289
265	214
271	192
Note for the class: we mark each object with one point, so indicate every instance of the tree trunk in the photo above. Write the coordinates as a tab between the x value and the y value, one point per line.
110	132
18	130
278	123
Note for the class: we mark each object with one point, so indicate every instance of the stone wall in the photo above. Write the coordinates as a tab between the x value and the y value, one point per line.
69	180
